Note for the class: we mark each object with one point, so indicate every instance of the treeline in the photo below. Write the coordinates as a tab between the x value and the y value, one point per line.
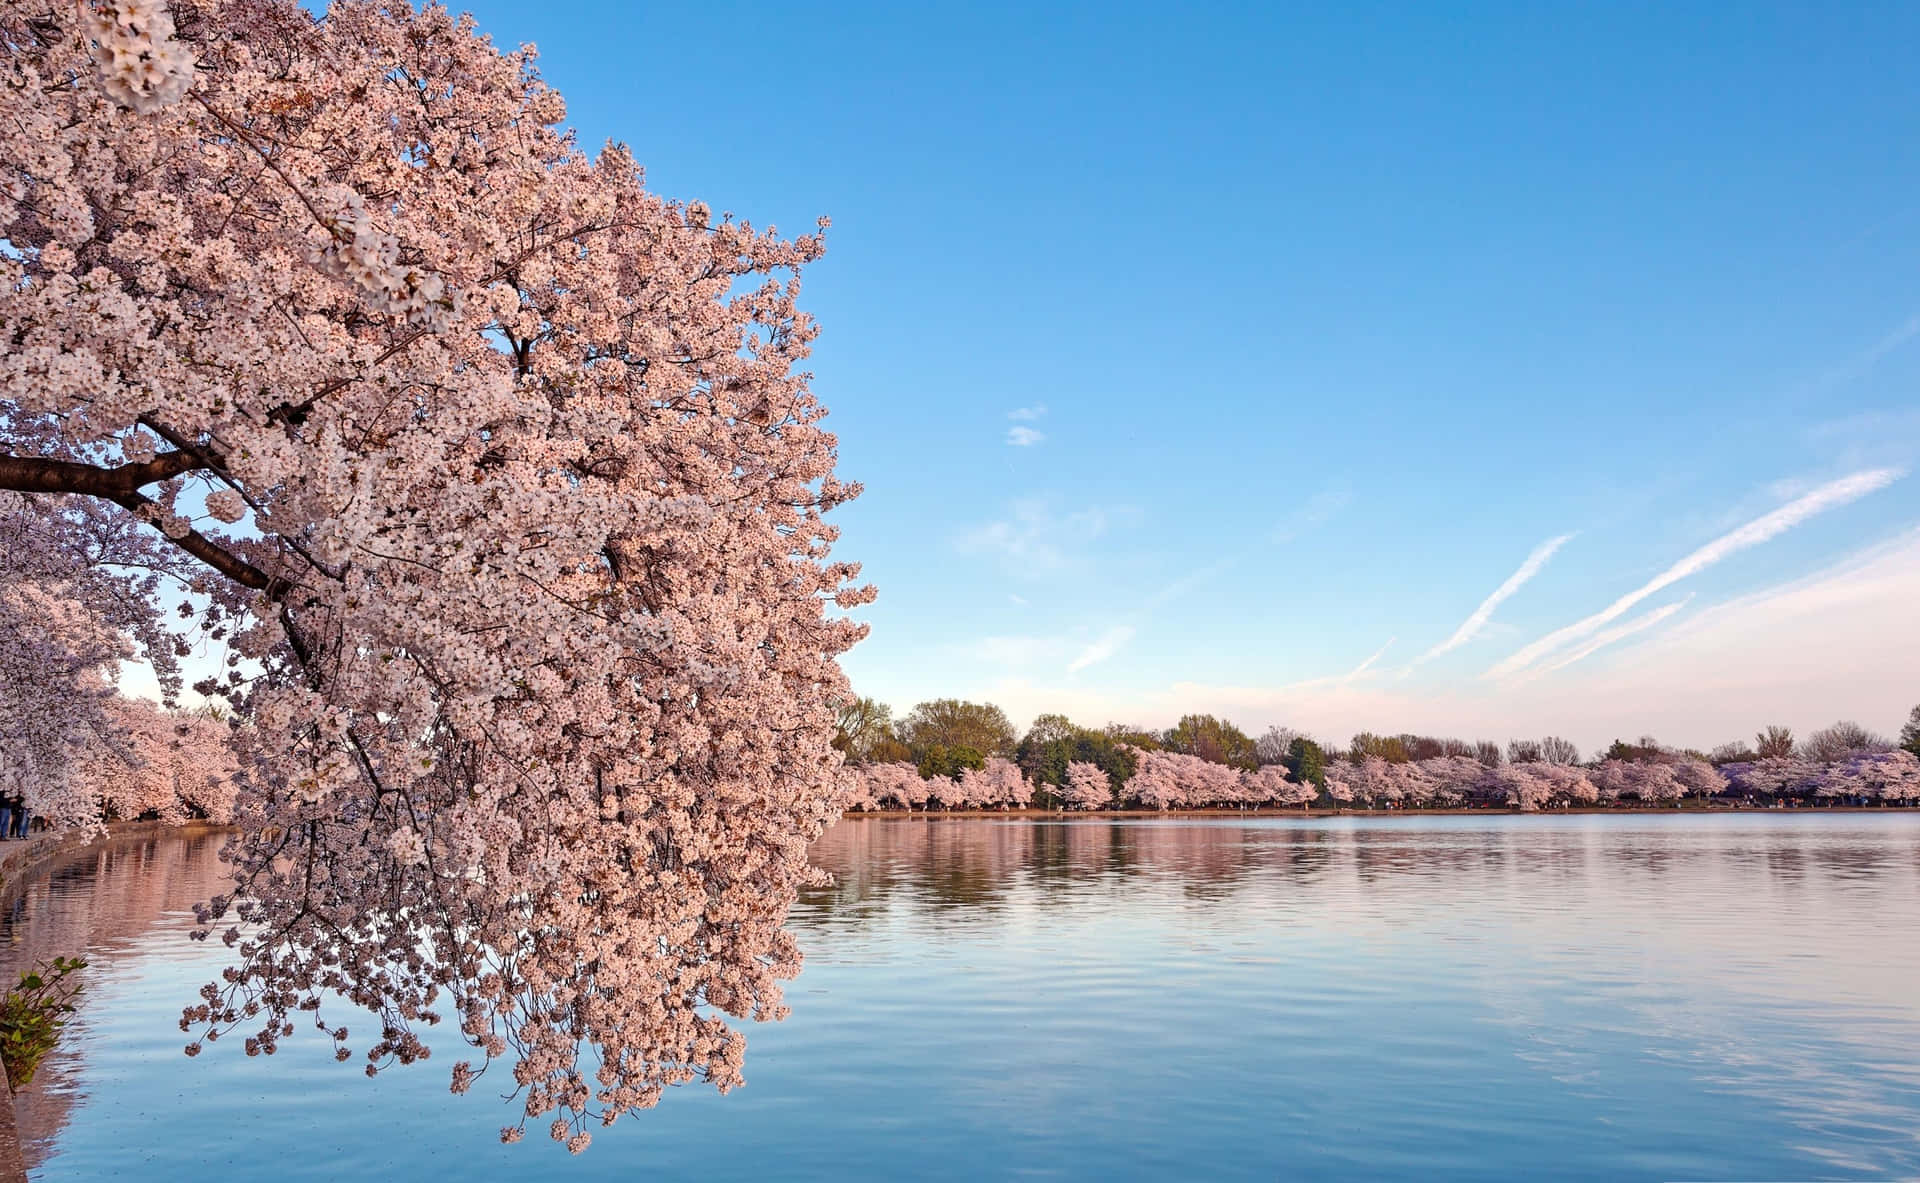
951	754
153	763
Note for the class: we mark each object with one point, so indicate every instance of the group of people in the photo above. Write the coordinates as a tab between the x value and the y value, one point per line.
16	820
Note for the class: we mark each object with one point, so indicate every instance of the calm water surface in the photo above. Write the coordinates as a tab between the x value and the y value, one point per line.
1457	997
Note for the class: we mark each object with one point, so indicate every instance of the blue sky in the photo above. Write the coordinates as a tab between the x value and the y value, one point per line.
1325	318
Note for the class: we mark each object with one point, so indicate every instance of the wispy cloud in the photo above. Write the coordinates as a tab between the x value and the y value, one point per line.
1828	496
1863	362
1017	650
1023	437
1318	509
1033	539
1902	421
1605	637
1836	643
1115	638
1884	437
1105	646
1366	665
1027	414
1471	626
1180	588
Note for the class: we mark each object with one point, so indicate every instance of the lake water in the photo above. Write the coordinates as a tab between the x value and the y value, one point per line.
1600	996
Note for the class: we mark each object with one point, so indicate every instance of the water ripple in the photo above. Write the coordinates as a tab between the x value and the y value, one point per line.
1577	997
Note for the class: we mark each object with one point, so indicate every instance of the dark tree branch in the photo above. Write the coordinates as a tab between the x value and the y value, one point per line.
207	459
209	552
121	485
27	474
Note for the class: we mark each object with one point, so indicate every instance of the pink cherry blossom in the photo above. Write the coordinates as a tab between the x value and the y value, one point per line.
1088	786
137	60
514	533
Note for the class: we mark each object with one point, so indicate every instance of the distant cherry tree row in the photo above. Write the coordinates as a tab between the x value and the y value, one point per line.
1173	780
956	755
156	764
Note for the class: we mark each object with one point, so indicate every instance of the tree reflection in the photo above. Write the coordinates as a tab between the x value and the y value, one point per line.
1571	930
93	902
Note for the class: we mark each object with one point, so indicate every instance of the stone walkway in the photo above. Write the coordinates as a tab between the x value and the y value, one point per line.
18	854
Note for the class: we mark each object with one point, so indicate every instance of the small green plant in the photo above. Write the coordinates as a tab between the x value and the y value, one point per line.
33	1014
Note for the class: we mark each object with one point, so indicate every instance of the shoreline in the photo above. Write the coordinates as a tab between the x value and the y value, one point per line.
1323	814
19	858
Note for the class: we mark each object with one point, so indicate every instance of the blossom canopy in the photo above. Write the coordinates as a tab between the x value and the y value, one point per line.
500	475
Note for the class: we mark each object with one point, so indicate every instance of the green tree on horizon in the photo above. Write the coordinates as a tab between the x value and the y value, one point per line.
953	722
1213	740
939	760
1306	762
1054	741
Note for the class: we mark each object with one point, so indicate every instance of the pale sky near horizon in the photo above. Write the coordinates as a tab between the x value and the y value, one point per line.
1537	368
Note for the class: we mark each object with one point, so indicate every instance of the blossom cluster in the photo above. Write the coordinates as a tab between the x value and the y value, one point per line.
359	252
156	763
79	584
137	60
1088	786
1162	780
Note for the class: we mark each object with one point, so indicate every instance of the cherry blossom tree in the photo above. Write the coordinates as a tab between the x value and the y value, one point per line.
1539	785
171	764
1698	778
1890	776
1340	781
1774	776
900	784
970	790
1298	792
1571	784
1843	780
1157	782
1088	786
54	694
998	785
860	788
1451	779
1211	783
1519	785
1871	776
1649	781
1010	785
504	473
79	593
1269	784
1375	781
1181	781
